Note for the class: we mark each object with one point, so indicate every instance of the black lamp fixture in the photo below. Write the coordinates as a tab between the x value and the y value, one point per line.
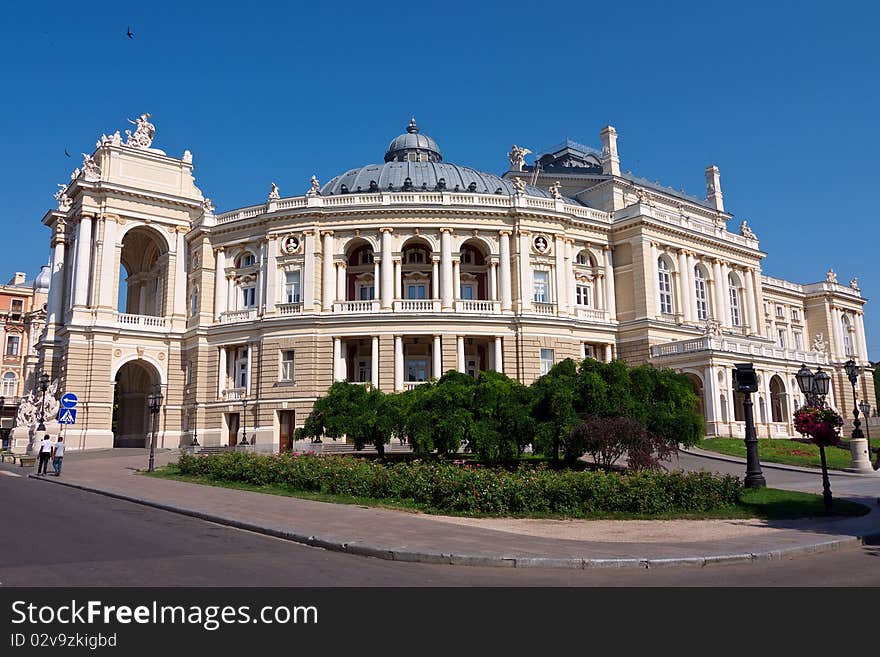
44	385
814	387
244	440
154	402
745	380
852	373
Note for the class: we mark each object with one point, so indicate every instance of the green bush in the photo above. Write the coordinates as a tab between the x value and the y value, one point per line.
473	489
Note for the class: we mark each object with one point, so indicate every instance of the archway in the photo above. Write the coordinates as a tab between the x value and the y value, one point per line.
474	272
143	273
697	385
778	400
131	417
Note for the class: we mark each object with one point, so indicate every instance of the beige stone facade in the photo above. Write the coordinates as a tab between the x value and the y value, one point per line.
391	274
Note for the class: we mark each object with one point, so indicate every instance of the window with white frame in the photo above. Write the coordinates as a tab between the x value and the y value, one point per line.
10	384
285	373
664	283
701	296
780	312
366	257
546	360
291	286
798	341
366	291
241	371
189	372
780	338
16	306
247	260
541	286
583	294
795	315
467	291
364	370
248	297
416	291
583	258
734	301
13	345
417	369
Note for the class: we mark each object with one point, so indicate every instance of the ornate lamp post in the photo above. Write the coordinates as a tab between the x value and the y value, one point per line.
44	385
244	440
865	407
815	387
154	399
858	446
746	381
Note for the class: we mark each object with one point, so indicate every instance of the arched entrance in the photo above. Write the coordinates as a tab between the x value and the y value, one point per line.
131	417
697	384
778	400
143	273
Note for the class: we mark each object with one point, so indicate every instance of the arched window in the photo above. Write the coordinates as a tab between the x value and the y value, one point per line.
416	257
734	301
847	336
10	384
193	303
700	291
247	260
583	258
664	281
778	400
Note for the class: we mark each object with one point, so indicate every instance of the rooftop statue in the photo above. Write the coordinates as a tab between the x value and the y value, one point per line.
519	185
712	327
554	189
315	187
517	157
114	140
830	276
273	193
746	231
854	283
207	206
143	134
63	199
90	168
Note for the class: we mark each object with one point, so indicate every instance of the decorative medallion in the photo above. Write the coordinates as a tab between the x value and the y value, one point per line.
117	353
290	244
541	244
161	356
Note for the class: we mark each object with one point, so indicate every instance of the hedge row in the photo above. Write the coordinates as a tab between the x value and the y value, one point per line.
475	490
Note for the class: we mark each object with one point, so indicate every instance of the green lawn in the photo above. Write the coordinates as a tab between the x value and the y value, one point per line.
767	503
789	452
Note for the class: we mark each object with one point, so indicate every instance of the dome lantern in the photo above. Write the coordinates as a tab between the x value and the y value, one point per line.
413	147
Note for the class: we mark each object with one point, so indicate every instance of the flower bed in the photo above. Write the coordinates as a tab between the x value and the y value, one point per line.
475	490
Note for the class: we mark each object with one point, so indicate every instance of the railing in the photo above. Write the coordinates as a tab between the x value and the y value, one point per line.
245	315
701	226
478	306
778	282
143	322
592	314
370	306
234	394
289	308
409	385
544	308
744	347
417	305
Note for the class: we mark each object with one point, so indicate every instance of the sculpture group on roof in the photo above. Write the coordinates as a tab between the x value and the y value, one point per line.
143	134
517	157
746	231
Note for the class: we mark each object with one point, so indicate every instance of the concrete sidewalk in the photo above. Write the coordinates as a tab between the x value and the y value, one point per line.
409	536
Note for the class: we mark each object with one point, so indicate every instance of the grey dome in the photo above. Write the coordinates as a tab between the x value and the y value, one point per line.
413	146
41	282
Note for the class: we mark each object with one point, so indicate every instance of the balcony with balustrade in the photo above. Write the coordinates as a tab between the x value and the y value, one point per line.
235	316
142	322
739	347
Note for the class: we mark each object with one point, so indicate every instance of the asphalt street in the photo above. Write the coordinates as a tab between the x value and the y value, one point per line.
57	536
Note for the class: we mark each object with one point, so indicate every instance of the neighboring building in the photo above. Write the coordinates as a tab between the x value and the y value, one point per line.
393	273
22	316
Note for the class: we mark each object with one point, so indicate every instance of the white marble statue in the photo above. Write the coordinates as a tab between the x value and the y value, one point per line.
63	199
519	185
854	283
143	134
517	157
712	327
819	343
830	276
746	231
315	186
90	168
554	189
113	140
207	206
273	192
28	414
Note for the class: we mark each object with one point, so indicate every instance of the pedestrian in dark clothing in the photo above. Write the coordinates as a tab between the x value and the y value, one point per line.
45	453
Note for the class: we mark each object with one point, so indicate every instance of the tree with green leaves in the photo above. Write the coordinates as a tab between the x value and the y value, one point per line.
555	406
439	414
503	425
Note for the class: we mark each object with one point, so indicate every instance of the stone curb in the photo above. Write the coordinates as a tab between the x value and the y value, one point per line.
717	456
401	553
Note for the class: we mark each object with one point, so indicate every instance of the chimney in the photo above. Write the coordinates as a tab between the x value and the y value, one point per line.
713	188
19	278
610	161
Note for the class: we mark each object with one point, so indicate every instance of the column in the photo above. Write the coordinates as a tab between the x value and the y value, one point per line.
504	260
387	272
56	293
572	292
861	337
398	279
446	264
709	394
142	299
337	357
230	294
110	271
608	355
493	281
222	371
180	292
653	284
376	275
610	298
499	362
525	272
437	358
583	350
758	299
563	275
329	280
838	353
398	362
308	276
261	283
718	292
753	303
747	307
250	359
272	275
435	278
83	261
456	280
340	281
374	362
460	352
601	300
725	295
685	288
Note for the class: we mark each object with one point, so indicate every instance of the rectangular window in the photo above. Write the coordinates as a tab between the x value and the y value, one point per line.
546	360
416	369
286	372
780	334
291	286
242	373
795	315
415	291
13	345
17	305
366	292
467	291
583	295
249	297
780	312
541	287
702	299
364	370
734	306
471	368
189	372
664	281
798	341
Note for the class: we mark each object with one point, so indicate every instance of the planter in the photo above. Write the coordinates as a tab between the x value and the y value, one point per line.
27	461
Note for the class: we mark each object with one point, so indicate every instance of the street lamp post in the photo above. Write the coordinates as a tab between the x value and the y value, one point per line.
244	440
866	411
44	385
746	381
858	446
154	399
815	387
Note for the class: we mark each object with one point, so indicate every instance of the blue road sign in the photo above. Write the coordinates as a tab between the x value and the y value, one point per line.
68	400
67	416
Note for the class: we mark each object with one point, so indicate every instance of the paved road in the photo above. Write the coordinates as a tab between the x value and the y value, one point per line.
57	536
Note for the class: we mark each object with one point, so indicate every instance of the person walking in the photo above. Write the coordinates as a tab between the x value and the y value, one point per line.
45	453
58	455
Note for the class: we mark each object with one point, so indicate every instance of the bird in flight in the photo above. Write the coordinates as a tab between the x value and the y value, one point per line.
66	153
129	33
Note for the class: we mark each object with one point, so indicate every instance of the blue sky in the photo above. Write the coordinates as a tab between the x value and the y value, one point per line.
782	96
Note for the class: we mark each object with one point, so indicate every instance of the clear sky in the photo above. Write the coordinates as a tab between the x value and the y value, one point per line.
782	96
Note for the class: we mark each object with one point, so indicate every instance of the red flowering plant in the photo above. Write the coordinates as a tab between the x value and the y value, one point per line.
820	424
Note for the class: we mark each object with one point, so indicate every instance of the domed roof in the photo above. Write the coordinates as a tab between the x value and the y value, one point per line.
41	282
414	162
413	146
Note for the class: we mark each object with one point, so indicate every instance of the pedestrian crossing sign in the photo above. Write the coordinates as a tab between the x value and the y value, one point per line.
67	416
